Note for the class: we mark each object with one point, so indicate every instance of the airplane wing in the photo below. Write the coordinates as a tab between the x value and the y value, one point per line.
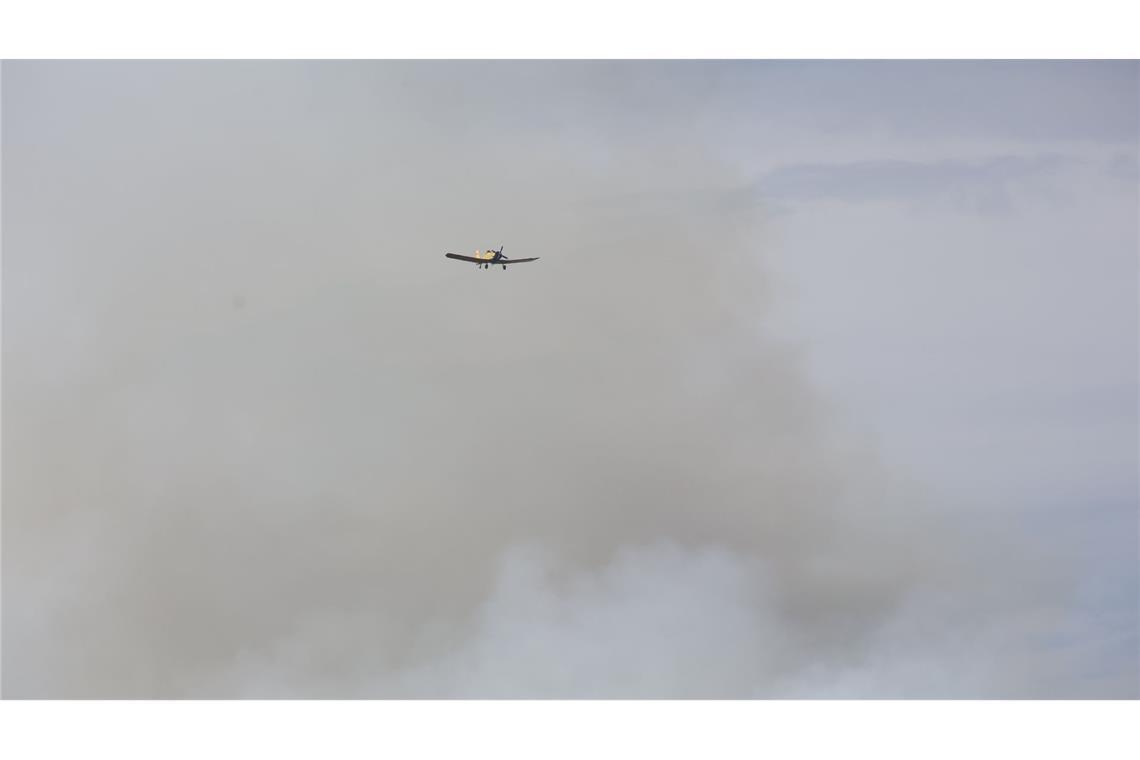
520	261
466	258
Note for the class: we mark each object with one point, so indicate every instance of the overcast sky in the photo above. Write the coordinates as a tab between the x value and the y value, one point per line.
825	383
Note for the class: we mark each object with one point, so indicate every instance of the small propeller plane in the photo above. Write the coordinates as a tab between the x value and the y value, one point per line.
484	259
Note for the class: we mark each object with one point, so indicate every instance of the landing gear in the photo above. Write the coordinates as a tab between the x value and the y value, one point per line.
504	267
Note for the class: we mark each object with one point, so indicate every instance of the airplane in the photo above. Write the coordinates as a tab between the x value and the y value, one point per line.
485	259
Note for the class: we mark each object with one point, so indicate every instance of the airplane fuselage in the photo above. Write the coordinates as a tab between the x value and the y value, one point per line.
492	256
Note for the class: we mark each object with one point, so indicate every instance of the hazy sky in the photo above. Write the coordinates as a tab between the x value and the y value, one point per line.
825	383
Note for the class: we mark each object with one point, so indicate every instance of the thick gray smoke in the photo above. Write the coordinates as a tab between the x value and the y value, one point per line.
261	439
